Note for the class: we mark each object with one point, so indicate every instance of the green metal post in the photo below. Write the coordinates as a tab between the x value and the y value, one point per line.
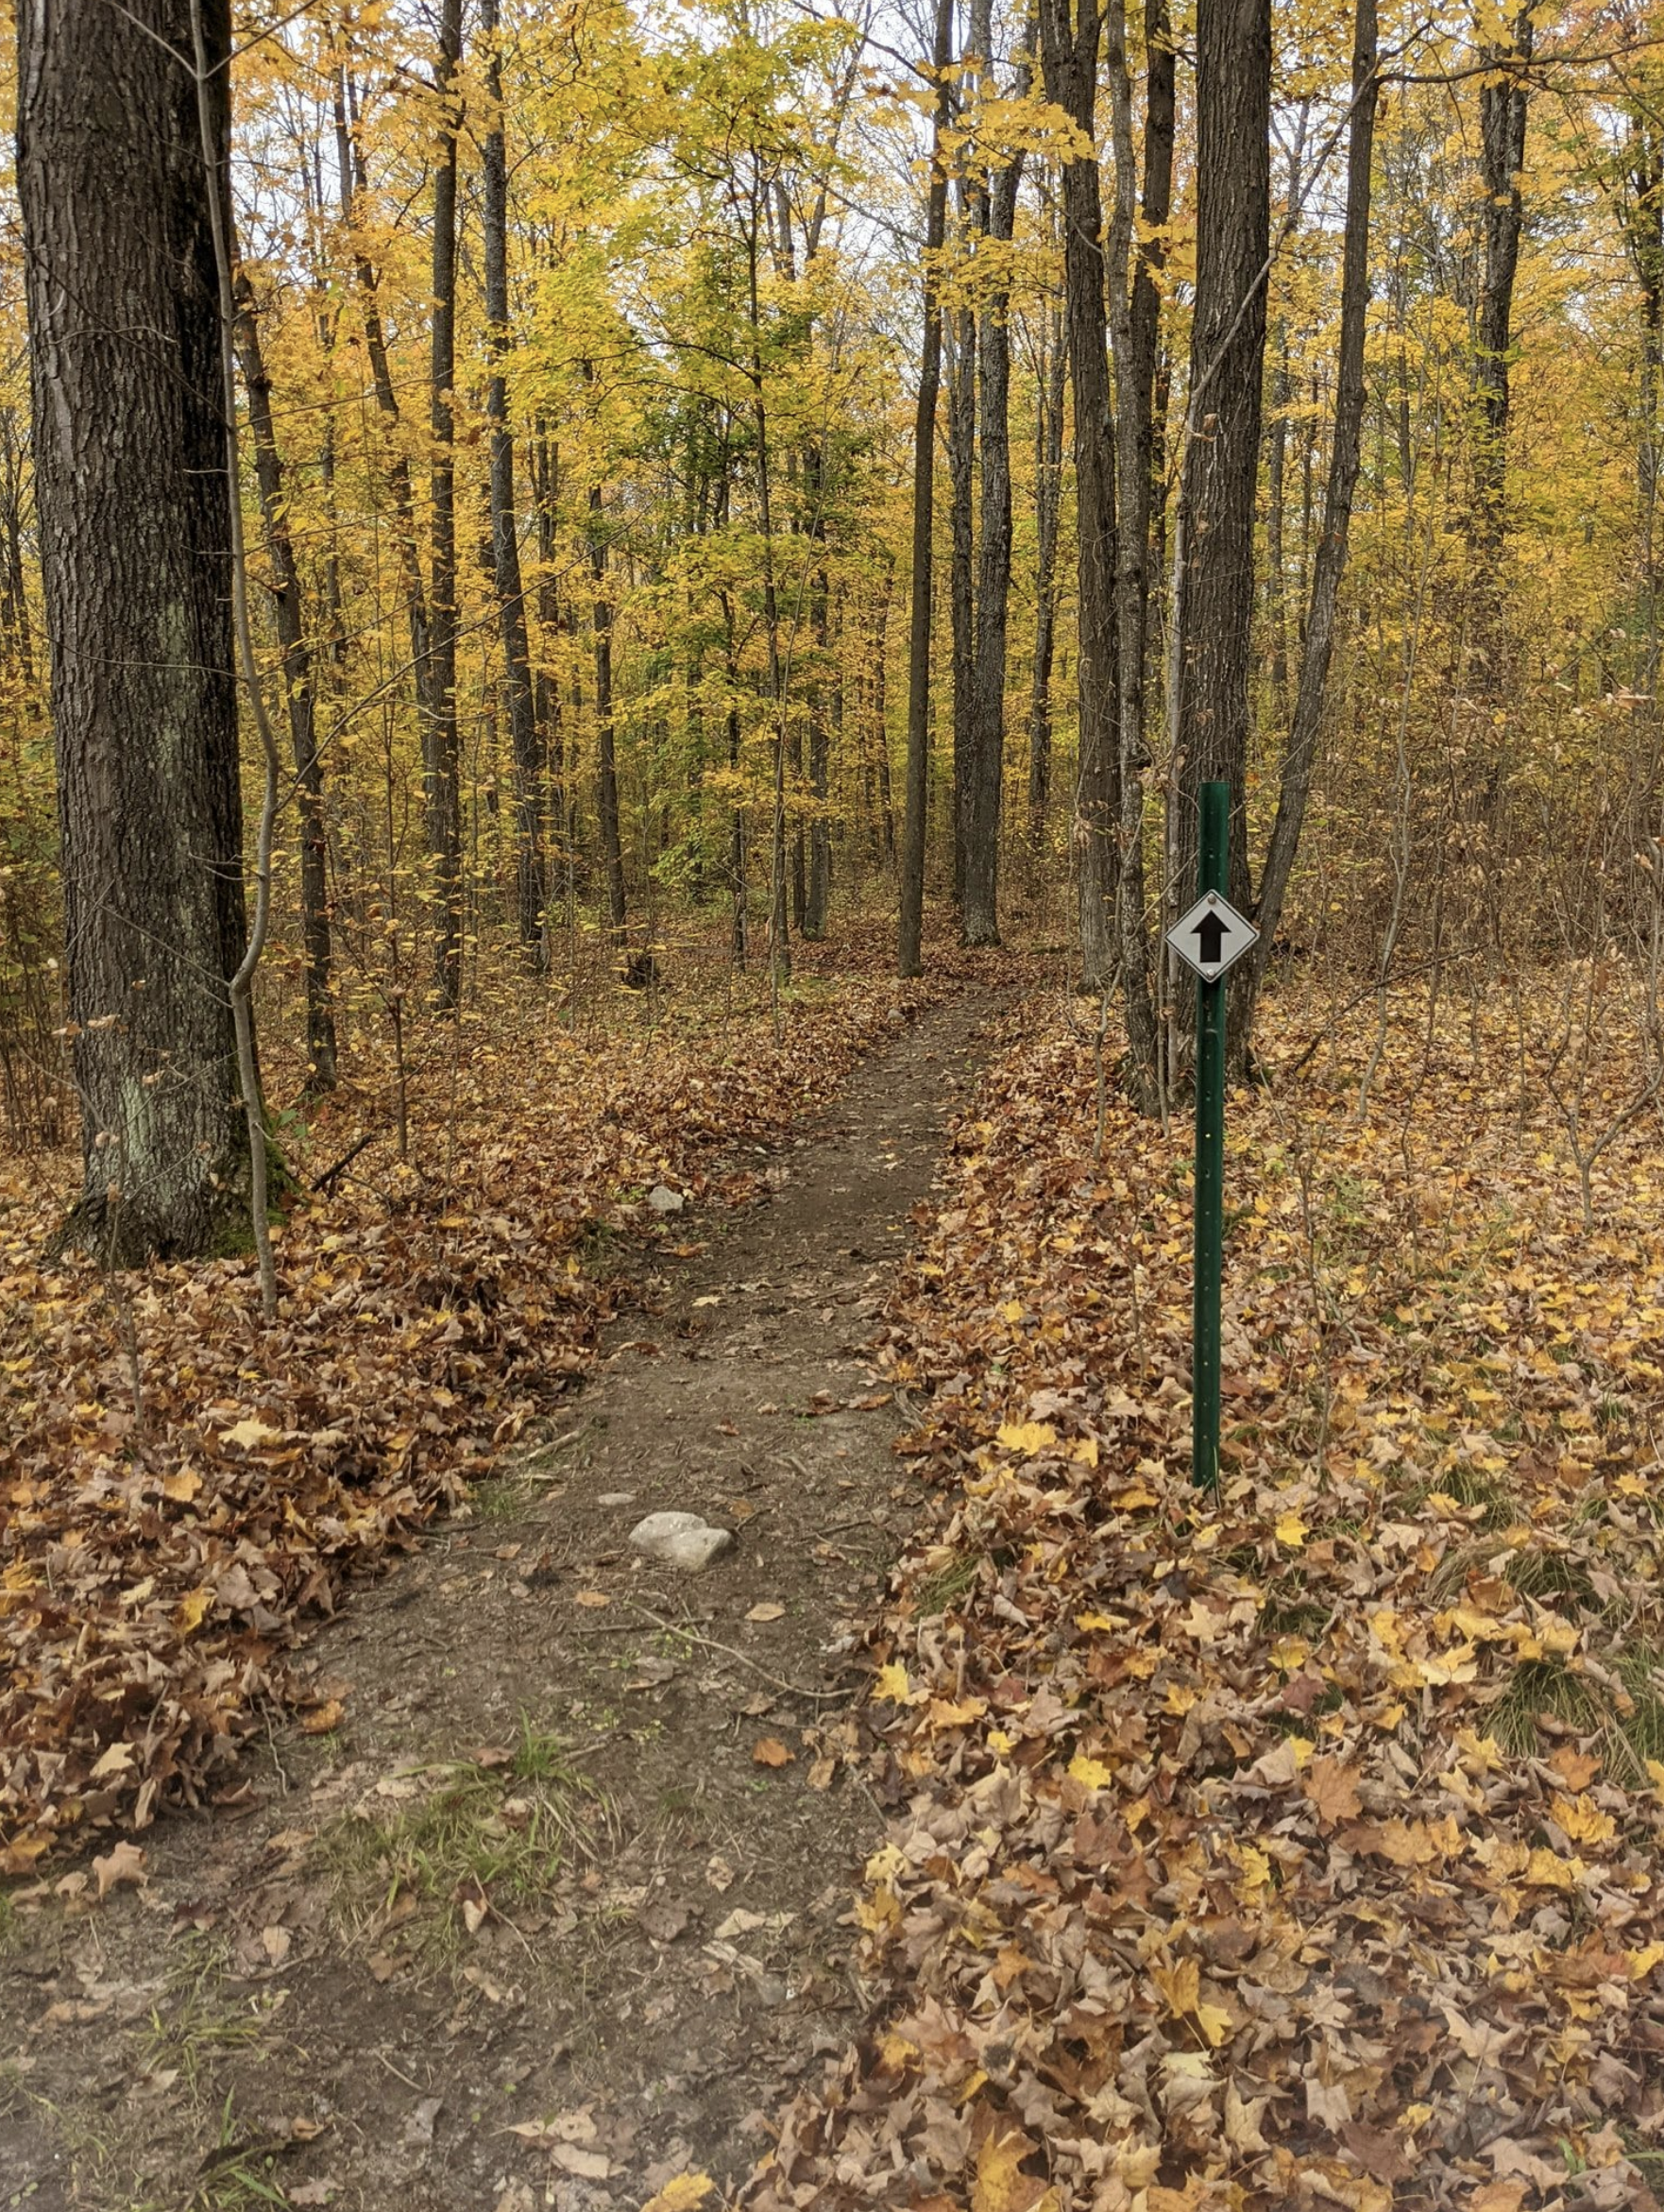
1210	1155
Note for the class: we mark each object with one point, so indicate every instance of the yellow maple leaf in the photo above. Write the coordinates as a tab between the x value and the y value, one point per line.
680	2194
1091	1773
1583	1820
1001	2186
1027	1437
1544	1870
189	1613
1180	1984
1215	2022
892	1684
1291	1531
250	1434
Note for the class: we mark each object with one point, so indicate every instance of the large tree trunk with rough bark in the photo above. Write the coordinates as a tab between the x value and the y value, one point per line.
1069	36
132	488
1221	461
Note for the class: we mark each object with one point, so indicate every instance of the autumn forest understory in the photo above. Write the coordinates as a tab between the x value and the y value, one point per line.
613	621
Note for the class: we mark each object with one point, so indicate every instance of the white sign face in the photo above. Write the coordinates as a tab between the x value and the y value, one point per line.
1213	937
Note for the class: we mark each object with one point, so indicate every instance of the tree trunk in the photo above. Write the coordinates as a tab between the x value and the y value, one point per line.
350	161
814	913
441	768
525	736
1337	515
910	934
1134	320
122	293
1644	230
1048	470
606	765
1069	49
546	683
985	745
299	692
961	332
1221	461
1503	101
881	717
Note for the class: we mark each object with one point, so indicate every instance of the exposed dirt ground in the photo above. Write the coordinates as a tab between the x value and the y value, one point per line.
559	1905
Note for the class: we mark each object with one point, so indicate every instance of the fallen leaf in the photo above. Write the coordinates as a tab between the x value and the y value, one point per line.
767	1610
586	2165
123	1863
249	1435
770	1751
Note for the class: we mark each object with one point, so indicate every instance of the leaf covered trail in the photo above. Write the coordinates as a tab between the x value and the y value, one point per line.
559	1895
1299	1846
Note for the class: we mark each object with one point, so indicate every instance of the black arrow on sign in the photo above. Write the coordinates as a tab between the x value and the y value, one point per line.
1212	932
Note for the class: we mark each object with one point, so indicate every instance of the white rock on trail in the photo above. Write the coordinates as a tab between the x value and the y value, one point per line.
680	1540
663	1199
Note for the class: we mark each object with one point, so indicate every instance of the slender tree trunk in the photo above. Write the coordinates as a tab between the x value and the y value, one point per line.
825	682
881	717
1643	227
441	766
1504	102
911	930
398	463
1134	322
1277	451
985	748
546	684
525	736
1221	461
779	919
960	334
606	764
135	526
1048	470
1337	513
1069	49
299	692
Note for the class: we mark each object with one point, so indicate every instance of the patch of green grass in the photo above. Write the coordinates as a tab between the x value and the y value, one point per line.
499	1497
1638	1722
940	1590
1628	1719
192	2026
1288	1610
506	1833
1537	1572
239	2177
1468	1486
1542	1686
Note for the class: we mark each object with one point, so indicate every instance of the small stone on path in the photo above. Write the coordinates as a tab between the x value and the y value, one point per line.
616	1498
663	1199
680	1540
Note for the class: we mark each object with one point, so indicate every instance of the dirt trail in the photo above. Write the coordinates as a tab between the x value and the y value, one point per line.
578	1852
